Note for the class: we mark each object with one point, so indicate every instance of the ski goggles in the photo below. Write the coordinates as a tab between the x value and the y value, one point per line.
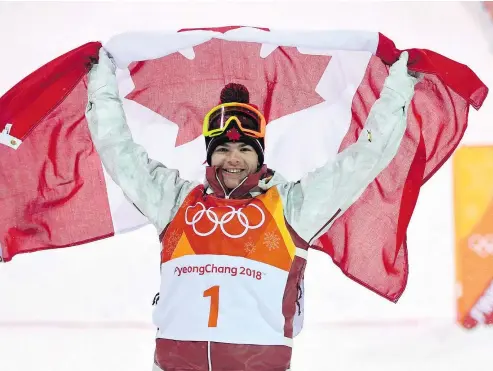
249	120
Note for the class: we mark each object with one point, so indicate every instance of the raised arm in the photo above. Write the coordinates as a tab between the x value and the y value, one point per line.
313	203
154	189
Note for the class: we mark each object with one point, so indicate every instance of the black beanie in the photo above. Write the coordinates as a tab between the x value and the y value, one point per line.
235	93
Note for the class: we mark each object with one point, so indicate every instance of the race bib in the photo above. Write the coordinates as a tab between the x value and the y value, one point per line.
221	298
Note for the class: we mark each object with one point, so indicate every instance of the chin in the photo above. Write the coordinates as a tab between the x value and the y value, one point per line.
231	185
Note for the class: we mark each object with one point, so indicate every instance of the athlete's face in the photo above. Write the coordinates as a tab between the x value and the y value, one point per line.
236	161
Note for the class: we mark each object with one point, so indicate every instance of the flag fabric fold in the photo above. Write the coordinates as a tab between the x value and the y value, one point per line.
55	193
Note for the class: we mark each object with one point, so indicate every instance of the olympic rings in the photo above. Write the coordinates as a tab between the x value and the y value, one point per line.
225	219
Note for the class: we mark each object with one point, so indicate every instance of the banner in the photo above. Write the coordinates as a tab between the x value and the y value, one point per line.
55	193
473	203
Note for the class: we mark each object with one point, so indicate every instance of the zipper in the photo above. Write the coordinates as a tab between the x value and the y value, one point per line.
226	196
299	292
325	225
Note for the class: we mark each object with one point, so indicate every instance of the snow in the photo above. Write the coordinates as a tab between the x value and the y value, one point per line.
407	347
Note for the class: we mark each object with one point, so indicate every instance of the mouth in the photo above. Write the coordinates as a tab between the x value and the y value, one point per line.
233	171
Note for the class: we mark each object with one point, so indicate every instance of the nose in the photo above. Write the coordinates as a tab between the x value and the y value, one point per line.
233	157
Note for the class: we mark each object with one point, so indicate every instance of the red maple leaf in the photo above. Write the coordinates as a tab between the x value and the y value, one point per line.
233	135
184	90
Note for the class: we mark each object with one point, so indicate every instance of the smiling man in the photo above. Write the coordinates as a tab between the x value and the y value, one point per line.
245	219
234	136
236	161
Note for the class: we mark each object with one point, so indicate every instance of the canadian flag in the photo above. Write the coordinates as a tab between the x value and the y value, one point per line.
315	89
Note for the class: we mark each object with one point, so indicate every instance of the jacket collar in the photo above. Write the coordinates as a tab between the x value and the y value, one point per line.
216	183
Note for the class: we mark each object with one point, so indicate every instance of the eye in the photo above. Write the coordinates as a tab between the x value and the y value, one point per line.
247	149
221	149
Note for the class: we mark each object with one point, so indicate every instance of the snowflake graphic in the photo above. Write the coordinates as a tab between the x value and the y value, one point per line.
272	241
249	247
172	240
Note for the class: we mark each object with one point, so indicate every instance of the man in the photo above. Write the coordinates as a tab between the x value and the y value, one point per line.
234	249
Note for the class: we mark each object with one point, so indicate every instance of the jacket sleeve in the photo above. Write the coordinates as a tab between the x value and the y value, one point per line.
313	203
154	189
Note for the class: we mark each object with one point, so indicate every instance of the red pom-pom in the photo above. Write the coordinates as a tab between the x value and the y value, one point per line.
235	93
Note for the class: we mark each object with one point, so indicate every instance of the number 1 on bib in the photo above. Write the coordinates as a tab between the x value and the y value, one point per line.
213	292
